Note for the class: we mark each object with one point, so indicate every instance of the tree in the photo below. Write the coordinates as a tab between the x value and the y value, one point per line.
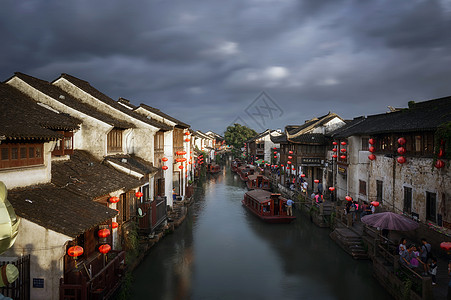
237	134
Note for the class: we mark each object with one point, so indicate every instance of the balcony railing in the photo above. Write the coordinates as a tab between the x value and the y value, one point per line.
100	286
154	213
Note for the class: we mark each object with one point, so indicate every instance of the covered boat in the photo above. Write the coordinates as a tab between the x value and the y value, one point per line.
245	171
235	165
213	168
257	181
269	207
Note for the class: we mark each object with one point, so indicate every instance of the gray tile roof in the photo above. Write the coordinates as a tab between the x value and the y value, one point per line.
22	118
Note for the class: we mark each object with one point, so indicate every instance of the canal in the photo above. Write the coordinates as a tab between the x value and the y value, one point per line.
223	252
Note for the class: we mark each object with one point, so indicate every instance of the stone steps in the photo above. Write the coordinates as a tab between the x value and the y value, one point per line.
351	242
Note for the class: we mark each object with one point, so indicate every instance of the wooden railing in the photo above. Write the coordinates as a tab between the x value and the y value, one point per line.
153	214
100	286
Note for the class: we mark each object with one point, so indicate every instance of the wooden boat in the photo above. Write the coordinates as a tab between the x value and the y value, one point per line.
245	171
213	168
235	165
257	181
267	206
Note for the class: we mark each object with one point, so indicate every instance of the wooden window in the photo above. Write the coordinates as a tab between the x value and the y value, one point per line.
379	191
178	138
407	200
431	213
64	146
365	146
362	187
159	142
418	145
114	140
159	187
19	155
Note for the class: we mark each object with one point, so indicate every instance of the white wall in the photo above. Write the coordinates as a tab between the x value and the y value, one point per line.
47	249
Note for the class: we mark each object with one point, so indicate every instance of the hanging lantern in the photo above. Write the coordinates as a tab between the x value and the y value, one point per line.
290	152
348	198
104	249
401	141
138	194
289	162
343	143
276	166
293	168
164	159
371	141
114	225
335	156
440	152
103	233
164	167
180	167
316	181
375	203
275	156
186	132
75	251
189	162
335	149
445	246
371	149
401	150
290	157
439	164
331	189
275	152
282	165
180	152
372	157
302	175
114	199
187	140
334	143
343	150
343	157
401	159
182	159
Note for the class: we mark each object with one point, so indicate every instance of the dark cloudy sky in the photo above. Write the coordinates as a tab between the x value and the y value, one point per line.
205	62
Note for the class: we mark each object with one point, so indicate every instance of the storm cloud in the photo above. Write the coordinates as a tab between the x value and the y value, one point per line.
205	62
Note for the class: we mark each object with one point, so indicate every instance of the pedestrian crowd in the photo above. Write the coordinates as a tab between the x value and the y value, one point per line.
419	259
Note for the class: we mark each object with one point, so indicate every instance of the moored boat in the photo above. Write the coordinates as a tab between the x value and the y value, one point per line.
213	168
258	181
245	171
235	165
269	207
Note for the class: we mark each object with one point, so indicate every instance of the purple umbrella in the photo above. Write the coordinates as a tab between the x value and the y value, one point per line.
391	221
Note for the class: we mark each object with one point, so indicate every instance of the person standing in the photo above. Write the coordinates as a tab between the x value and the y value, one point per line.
290	207
425	255
320	188
433	270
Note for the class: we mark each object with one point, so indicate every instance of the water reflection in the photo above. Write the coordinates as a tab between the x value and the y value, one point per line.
223	252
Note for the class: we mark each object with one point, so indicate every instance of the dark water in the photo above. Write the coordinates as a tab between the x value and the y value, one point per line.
223	252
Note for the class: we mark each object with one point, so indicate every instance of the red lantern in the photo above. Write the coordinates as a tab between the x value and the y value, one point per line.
104	249
372	157
343	143
290	157
187	140
445	246
331	189
114	225
189	162
187	133
401	150
335	149
439	164
302	175
164	167
276	166
180	167
164	159
180	152
293	168
401	159
371	141
75	251
180	159
343	150
290	152
440	152
335	156
138	194
275	156
282	165
343	157
375	203
103	233
401	141
316	181
289	162
334	143
114	199
348	198
371	149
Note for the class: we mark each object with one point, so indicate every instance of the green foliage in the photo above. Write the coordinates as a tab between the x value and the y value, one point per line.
237	134
124	292
443	140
